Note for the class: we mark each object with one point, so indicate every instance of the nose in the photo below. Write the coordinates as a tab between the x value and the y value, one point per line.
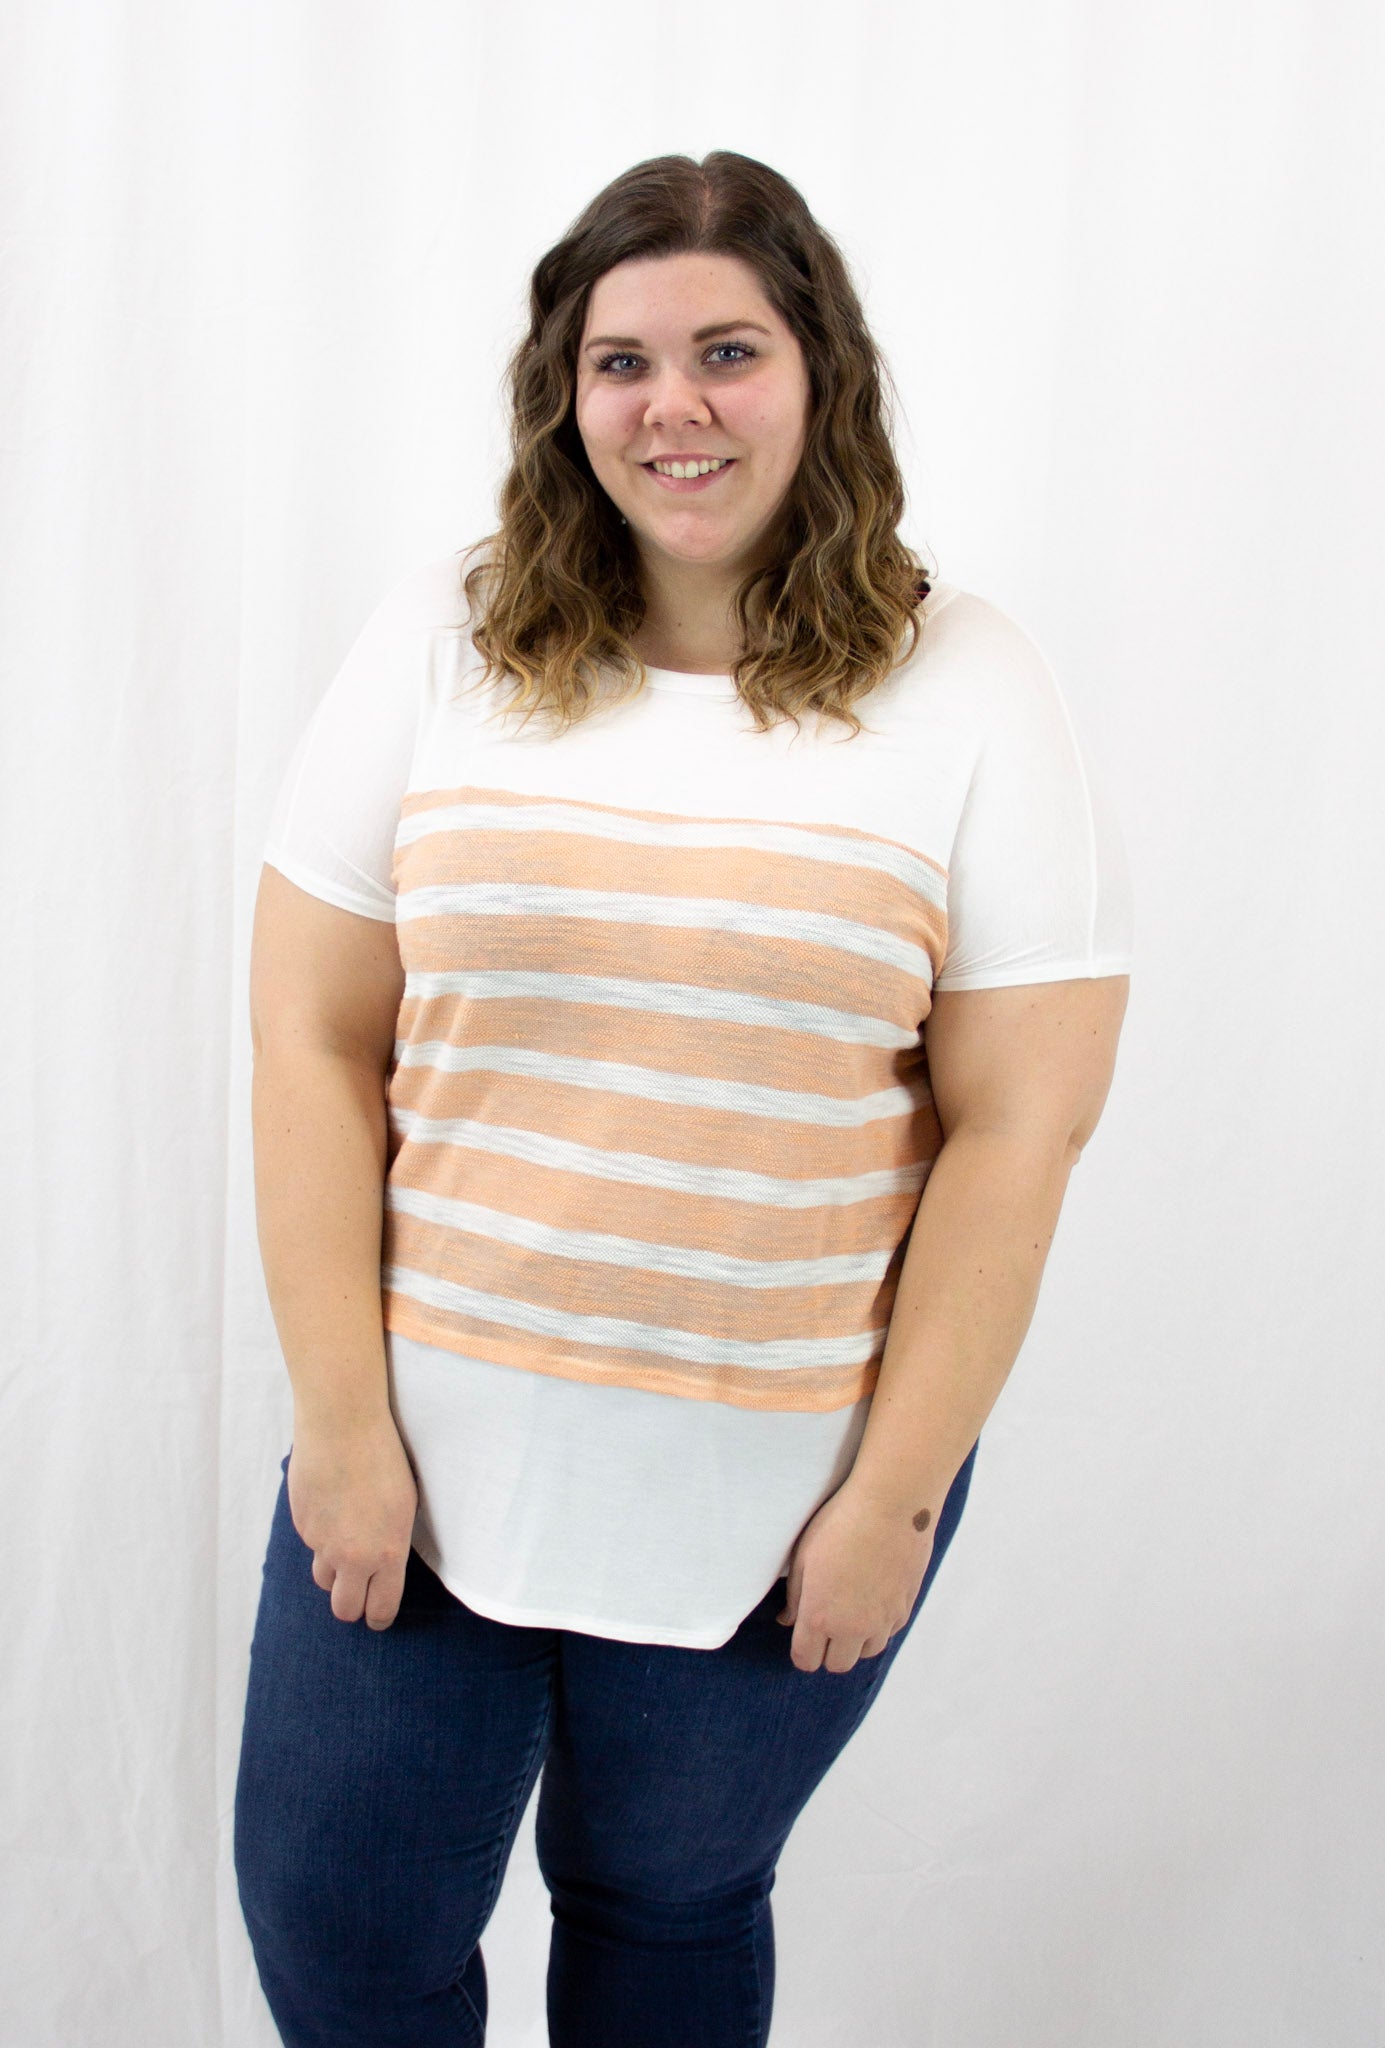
675	400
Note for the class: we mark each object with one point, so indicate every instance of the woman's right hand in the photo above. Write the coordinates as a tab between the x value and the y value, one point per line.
353	1498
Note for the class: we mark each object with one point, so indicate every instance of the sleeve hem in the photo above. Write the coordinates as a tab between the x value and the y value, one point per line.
328	891
1086	969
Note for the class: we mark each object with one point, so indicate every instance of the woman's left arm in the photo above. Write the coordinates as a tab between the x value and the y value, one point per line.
1019	1079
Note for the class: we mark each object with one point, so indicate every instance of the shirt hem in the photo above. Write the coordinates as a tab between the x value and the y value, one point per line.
588	1625
336	893
1088	968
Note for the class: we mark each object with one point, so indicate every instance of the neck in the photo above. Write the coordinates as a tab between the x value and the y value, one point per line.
688	622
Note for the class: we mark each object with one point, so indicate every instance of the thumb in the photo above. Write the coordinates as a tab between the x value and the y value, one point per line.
788	1614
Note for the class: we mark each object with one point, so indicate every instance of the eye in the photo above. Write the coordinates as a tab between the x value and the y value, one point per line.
608	363
742	349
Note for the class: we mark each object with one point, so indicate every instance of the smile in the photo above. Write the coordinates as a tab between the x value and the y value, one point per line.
698	472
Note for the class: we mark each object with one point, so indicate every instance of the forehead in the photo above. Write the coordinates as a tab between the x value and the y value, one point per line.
655	297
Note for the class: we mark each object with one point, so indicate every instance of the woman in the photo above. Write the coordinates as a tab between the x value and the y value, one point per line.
689	961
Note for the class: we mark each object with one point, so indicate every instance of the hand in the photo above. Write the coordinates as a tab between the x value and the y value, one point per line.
853	1579
353	1498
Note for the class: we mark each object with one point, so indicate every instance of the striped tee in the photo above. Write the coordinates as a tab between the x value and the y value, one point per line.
660	1106
659	1117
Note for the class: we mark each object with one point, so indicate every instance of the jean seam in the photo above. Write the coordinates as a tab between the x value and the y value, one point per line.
504	1836
756	2037
471	2007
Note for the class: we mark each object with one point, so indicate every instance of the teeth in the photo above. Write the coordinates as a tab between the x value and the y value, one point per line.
685	469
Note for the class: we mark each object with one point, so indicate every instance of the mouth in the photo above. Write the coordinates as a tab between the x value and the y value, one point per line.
699	472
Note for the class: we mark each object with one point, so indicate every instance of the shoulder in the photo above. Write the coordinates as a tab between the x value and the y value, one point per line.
981	662
388	649
968	626
427	598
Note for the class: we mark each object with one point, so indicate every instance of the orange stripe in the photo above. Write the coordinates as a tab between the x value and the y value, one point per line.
808	1390
699	1134
437	799
694	1047
741	874
587	1287
712	1048
567	1200
797	970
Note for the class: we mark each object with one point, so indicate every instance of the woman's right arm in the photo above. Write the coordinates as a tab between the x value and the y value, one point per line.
325	988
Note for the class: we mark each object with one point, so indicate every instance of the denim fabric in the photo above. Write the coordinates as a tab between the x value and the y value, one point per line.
384	1773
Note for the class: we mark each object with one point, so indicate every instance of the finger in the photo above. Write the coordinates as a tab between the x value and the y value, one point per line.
348	1595
788	1613
842	1652
383	1596
807	1647
873	1646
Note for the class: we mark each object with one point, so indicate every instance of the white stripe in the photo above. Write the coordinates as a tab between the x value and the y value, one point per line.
698	913
664	998
653	1084
776	1355
640	1169
598	1247
731	834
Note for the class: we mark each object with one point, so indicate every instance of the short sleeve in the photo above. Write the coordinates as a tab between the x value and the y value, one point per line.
1038	885
333	824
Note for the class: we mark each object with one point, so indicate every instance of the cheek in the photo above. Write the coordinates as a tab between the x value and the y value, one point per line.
589	421
777	421
603	420
783	432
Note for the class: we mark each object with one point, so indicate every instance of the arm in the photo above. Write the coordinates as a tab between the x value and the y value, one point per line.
1019	1077
325	987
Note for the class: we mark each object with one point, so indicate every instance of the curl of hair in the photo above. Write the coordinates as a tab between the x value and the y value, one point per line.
555	593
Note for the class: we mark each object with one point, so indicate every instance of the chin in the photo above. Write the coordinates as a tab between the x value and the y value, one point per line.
712	549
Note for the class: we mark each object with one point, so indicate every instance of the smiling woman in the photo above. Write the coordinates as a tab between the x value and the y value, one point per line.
667	1080
695	431
697	312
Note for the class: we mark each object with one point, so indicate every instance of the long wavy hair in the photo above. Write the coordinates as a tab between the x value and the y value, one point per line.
555	593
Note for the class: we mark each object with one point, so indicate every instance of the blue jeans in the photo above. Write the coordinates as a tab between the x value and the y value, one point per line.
383	1776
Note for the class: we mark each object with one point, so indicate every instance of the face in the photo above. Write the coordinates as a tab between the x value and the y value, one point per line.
684	360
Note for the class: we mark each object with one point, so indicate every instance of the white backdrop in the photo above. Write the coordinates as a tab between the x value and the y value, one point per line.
1124	1788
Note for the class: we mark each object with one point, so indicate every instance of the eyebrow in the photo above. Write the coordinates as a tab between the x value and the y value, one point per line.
702	334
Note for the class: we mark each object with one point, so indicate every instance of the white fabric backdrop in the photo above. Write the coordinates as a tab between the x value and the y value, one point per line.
263	263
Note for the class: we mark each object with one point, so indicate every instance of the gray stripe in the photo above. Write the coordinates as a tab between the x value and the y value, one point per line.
664	998
640	1169
697	913
748	834
601	1248
781	1354
652	1084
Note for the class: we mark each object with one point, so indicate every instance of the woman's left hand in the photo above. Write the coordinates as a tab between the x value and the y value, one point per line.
853	1578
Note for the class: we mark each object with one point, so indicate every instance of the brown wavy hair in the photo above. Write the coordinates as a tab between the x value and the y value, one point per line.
555	592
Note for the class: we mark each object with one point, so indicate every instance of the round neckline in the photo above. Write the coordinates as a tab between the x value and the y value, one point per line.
688	681
692	684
